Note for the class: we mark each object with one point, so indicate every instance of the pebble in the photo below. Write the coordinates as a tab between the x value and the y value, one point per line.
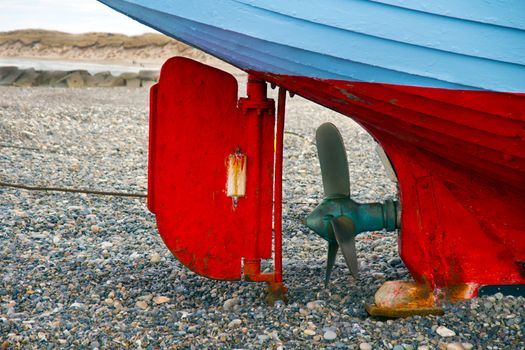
235	323
329	335
81	292
309	332
141	304
76	305
312	305
230	303
365	346
160	300
445	332
134	256
155	258
106	245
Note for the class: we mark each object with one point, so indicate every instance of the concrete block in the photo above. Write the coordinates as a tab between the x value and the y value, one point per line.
28	78
112	81
133	83
51	78
73	80
9	75
148	83
127	76
6	70
152	75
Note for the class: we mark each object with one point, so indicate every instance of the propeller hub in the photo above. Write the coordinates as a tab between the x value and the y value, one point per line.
338	219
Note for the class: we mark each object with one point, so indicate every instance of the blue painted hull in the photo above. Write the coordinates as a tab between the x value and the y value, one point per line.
444	44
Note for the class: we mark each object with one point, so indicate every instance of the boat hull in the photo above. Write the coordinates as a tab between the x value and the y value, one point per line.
459	157
439	85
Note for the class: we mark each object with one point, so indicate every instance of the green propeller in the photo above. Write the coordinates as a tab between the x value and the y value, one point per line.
334	165
338	218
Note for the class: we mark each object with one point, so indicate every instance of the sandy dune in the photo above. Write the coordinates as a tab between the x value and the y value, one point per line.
143	50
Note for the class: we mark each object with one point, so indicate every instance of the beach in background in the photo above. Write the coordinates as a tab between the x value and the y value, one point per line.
37	52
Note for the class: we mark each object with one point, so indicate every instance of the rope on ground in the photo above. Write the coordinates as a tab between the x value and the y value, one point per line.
73	190
306	139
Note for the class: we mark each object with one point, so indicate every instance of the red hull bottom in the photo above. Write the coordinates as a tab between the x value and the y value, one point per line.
459	157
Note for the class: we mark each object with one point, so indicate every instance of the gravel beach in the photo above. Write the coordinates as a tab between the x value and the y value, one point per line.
91	272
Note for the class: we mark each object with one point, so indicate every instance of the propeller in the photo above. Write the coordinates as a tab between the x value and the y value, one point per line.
334	164
336	184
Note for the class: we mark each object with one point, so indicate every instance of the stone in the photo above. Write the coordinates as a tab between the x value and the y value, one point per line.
160	300
77	305
20	213
95	229
154	258
141	304
112	81
262	338
304	312
128	76
423	347
455	346
133	83
9	75
73	80
329	335
400	294
99	79
94	80
6	70
106	245
27	79
365	346
309	332
230	303
151	75
445	332
313	305
235	323
104	74
52	78
467	346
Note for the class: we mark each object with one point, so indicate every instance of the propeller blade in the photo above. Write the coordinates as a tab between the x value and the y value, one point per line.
334	164
332	252
344	232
